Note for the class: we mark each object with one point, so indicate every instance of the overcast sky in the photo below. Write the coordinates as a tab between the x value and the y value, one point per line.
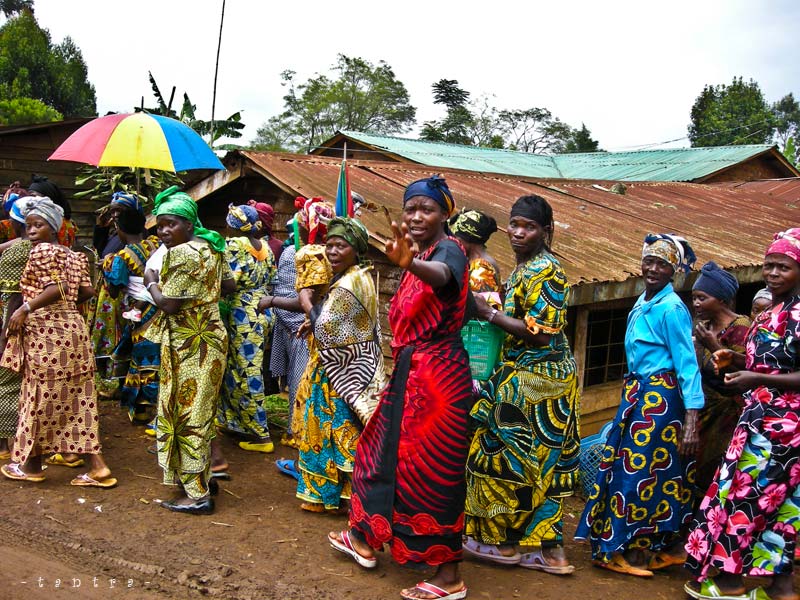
630	70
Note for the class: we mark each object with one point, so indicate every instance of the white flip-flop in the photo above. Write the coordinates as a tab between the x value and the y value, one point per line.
346	546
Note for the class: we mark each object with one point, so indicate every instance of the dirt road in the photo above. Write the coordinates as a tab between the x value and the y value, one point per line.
119	543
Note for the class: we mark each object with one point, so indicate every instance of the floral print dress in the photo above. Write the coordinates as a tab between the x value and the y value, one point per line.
193	351
750	517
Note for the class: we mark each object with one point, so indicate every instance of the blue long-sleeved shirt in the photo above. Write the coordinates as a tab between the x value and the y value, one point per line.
658	338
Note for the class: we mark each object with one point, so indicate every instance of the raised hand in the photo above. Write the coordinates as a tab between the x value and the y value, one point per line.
400	250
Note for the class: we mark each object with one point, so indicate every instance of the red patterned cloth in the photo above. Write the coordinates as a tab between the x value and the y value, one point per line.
408	481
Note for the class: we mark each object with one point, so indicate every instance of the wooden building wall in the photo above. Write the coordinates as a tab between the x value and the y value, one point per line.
762	167
24	152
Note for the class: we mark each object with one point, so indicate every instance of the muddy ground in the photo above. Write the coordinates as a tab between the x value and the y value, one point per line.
58	541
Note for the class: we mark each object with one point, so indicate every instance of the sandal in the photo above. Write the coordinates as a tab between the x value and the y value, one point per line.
709	590
287	467
346	546
536	560
86	480
5	454
434	590
58	459
618	564
266	447
760	593
662	560
489	552
14	471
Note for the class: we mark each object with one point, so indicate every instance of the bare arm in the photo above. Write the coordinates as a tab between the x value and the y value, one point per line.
516	327
48	296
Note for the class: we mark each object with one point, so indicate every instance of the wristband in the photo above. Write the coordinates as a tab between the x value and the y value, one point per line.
493	315
147	287
26	306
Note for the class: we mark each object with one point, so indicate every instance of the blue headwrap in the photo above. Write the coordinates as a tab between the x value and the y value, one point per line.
9	202
242	218
15	211
128	200
435	188
716	282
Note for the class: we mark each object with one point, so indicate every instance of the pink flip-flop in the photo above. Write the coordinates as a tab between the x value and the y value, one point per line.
489	552
437	592
346	546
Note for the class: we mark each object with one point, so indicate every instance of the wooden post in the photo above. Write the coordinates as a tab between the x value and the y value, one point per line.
581	343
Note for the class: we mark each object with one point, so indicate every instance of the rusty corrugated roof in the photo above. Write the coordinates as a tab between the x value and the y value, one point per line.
785	189
598	233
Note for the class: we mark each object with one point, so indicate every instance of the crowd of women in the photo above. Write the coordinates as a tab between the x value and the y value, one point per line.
701	466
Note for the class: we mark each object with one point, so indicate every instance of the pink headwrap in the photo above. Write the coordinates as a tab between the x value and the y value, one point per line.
314	214
786	242
266	214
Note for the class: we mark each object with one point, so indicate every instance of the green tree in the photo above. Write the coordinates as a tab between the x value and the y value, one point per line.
31	66
11	8
479	123
534	130
724	115
787	119
459	122
581	141
26	111
362	97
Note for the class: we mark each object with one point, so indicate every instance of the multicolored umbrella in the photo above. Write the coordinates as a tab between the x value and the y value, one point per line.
138	140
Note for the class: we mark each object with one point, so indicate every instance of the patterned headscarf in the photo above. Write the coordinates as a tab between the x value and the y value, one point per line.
172	201
314	214
786	242
473	226
242	218
43	207
127	200
435	188
671	248
266	214
352	231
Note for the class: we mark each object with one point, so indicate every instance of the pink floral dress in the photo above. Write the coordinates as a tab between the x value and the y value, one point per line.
750	517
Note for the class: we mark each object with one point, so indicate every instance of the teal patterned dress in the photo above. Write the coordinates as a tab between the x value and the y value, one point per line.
523	459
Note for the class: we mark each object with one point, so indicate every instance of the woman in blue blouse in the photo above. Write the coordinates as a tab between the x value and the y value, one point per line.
642	496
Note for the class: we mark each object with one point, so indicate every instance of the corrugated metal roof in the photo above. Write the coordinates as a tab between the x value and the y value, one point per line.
784	189
676	164
598	233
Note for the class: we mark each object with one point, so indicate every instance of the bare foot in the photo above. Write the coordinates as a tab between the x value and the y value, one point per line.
100	474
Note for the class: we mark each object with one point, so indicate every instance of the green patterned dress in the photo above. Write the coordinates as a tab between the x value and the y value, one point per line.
242	395
193	351
12	263
523	459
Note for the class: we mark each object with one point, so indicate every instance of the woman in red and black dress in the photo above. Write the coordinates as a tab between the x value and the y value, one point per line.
408	482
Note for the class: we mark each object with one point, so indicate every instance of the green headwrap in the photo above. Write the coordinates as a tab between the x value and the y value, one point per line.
352	231
174	202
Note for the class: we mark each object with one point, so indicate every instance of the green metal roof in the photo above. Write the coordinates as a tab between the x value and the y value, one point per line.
677	164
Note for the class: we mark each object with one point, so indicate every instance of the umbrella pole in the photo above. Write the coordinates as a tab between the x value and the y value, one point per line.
138	174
